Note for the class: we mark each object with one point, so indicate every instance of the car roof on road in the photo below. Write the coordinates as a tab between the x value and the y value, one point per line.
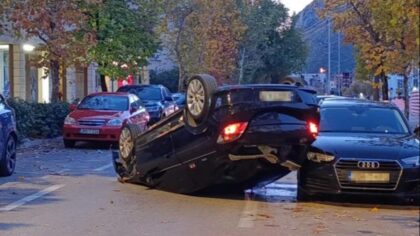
334	102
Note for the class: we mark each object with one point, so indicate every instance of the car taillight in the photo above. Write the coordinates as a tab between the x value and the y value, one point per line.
313	128
232	132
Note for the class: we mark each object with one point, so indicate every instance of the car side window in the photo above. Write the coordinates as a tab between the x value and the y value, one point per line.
2	103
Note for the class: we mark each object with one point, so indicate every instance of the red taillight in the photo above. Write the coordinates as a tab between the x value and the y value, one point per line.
313	128
232	132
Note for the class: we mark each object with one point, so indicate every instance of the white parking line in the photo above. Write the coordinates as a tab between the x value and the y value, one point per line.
32	197
103	167
282	186
249	213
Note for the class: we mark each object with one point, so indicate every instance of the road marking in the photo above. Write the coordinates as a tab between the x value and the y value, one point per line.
103	167
282	186
32	197
249	213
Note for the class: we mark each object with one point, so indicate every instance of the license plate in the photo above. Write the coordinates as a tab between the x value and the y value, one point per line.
276	96
369	177
89	131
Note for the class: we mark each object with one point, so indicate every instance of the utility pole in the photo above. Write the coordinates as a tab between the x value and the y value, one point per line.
339	62
329	58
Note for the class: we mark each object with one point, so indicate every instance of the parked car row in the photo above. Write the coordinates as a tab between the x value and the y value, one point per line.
101	116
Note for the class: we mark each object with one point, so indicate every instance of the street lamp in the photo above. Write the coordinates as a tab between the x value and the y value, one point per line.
28	48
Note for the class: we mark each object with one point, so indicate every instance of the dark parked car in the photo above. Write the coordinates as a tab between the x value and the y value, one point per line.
363	148
180	99
156	98
229	136
8	138
101	116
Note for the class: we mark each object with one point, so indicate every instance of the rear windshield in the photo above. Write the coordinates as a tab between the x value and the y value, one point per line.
145	93
101	102
362	120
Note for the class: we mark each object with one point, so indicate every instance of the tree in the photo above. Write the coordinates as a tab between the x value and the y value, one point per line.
204	36
272	48
125	36
59	26
385	33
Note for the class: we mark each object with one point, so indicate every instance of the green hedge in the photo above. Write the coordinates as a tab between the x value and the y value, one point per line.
39	120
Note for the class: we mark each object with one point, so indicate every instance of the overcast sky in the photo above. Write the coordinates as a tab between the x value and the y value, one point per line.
295	5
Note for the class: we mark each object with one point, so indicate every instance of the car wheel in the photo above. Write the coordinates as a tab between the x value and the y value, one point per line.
8	157
69	143
127	141
199	101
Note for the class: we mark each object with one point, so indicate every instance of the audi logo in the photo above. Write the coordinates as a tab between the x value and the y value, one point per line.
368	165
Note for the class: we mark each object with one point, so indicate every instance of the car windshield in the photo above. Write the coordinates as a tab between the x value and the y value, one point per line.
362	120
101	102
149	93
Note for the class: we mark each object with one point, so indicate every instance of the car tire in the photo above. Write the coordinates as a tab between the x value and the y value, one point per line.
69	143
127	140
8	157
199	102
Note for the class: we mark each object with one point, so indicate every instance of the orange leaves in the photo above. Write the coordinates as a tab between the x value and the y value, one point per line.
385	32
209	39
55	24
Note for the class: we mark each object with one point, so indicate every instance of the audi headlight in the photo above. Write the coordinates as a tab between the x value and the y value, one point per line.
319	157
411	161
115	122
70	121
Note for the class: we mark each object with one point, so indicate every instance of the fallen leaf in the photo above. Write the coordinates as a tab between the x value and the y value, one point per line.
375	209
272	225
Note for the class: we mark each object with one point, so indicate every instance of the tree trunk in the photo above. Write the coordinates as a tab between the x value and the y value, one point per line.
241	66
375	88
55	80
104	88
406	98
384	79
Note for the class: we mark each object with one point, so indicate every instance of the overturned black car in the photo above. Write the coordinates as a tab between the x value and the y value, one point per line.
238	136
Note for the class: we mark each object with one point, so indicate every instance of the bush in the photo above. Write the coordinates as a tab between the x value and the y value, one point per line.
39	120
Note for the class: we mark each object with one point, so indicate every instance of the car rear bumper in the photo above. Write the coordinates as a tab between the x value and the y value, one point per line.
105	133
321	179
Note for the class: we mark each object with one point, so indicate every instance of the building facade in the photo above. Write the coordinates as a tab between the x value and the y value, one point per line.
20	79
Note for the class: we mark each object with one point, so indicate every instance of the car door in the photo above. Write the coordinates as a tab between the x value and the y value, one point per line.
154	149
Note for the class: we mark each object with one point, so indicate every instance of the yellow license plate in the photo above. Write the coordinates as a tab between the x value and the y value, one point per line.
369	177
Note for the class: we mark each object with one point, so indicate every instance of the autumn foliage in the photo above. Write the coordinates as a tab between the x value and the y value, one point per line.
386	33
59	27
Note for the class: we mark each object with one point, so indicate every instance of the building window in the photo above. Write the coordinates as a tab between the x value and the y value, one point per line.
4	70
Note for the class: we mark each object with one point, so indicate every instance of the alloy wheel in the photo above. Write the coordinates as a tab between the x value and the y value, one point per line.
195	97
126	144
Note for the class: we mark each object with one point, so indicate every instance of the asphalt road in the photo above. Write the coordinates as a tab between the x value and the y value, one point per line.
57	191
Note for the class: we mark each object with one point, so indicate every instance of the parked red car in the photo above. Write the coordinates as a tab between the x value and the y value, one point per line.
100	117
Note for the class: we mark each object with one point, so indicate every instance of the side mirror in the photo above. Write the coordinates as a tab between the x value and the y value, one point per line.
72	107
417	131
